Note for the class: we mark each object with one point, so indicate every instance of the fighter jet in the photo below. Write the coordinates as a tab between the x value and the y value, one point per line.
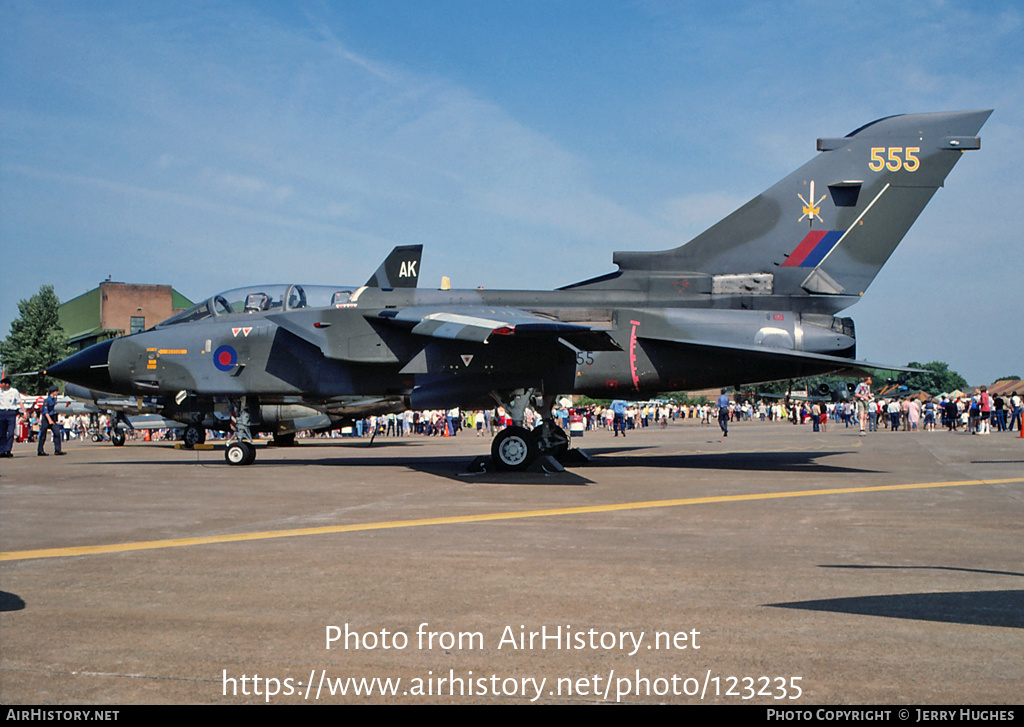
754	298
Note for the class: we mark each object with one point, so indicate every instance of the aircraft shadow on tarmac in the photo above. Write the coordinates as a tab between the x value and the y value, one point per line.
10	602
744	461
617	456
976	608
455	466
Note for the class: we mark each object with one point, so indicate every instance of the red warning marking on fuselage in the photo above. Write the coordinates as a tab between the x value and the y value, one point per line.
632	356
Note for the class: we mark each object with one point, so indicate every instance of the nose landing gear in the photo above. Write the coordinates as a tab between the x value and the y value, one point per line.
240	449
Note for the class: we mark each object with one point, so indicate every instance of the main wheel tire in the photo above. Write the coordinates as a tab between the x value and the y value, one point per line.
117	437
514	448
240	453
193	435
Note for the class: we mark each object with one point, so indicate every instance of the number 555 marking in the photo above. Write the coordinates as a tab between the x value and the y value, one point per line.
894	158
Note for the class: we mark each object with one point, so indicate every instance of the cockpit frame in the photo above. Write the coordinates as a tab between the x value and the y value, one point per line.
263	299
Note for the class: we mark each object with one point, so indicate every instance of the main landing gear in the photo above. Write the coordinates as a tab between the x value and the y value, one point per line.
514	448
518	448
284	440
194	434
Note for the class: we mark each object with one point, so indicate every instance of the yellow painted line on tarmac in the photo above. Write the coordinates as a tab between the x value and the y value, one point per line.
486	517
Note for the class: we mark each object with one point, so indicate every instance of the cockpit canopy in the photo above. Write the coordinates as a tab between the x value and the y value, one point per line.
263	299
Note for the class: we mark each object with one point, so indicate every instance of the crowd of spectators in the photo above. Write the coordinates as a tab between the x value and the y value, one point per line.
977	414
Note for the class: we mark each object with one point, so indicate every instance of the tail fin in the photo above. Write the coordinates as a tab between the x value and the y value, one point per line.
827	228
400	269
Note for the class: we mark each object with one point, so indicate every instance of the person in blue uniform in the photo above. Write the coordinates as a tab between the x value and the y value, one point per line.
48	421
723	413
619	411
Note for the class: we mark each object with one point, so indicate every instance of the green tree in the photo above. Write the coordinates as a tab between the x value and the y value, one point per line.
36	341
681	398
938	380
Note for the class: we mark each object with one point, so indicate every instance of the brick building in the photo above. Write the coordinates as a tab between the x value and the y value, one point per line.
117	309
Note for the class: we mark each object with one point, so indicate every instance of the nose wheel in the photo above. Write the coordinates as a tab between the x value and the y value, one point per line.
240	453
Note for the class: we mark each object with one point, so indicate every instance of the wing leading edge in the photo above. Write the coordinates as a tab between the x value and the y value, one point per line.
479	323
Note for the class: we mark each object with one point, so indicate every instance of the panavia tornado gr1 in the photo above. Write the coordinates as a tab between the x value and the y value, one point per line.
754	298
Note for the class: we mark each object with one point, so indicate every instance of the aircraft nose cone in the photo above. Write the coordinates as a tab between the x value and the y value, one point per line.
89	368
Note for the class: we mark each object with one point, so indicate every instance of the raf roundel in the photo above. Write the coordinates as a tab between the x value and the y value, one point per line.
225	358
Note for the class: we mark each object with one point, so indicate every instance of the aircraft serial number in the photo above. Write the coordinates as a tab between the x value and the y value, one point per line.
894	158
584	357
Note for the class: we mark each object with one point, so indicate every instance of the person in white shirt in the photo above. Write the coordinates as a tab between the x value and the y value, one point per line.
862	395
10	406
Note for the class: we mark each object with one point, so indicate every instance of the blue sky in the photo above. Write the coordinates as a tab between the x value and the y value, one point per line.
210	145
